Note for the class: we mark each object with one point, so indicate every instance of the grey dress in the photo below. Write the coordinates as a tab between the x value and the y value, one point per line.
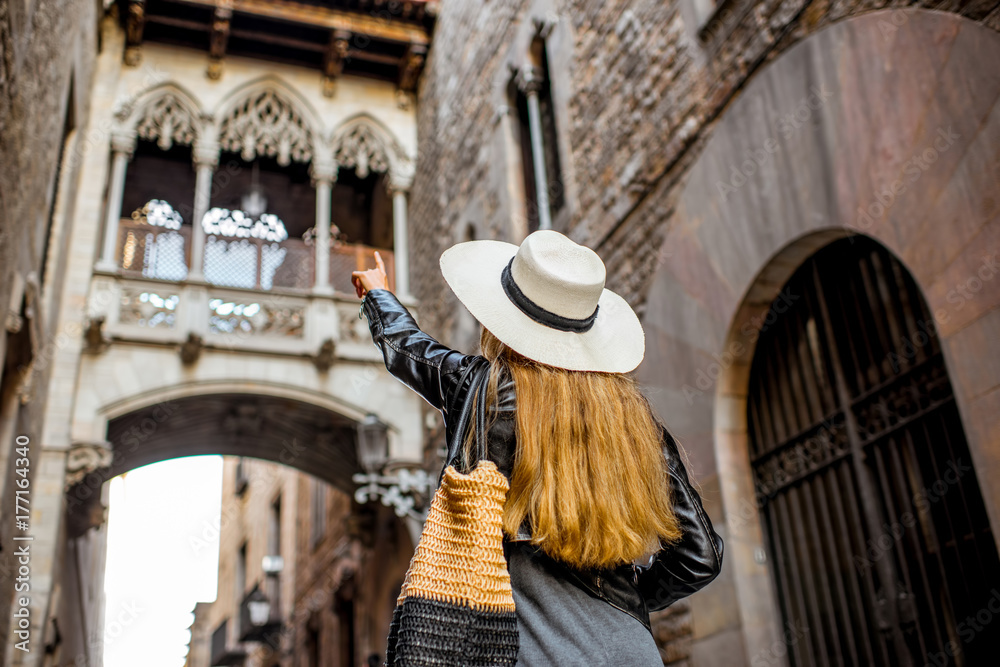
559	623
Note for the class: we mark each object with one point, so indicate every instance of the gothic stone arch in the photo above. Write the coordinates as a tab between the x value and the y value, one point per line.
268	118
364	144
166	113
853	130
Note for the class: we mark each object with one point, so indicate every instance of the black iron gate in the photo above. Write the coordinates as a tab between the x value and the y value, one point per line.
875	524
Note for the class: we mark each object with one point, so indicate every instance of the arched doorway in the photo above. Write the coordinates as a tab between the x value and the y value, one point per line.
874	522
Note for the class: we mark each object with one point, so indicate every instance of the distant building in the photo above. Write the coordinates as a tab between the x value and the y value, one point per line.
200	644
330	572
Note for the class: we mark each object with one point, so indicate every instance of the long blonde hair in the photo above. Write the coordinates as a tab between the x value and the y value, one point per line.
589	472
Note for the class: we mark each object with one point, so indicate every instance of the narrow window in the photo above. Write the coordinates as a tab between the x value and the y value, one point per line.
242	481
312	644
55	204
532	92
241	583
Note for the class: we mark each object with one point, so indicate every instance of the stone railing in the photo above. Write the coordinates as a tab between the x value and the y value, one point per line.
277	321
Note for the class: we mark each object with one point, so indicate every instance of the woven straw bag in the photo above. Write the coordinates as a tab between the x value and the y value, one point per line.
455	606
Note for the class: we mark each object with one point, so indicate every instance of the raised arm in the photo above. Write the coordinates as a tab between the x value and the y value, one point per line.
431	369
691	564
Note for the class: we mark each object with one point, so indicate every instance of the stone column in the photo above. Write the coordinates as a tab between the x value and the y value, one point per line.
206	158
324	173
122	147
529	81
398	189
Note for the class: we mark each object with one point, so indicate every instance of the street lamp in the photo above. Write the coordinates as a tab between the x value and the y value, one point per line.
395	490
259	607
373	443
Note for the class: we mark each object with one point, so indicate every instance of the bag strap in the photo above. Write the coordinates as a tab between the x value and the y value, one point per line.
481	417
477	388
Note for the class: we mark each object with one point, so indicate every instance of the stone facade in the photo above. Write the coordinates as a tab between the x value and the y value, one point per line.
348	577
658	108
706	151
250	490
44	104
639	87
305	349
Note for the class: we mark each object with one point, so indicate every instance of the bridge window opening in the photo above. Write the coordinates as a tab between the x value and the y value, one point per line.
157	210
362	211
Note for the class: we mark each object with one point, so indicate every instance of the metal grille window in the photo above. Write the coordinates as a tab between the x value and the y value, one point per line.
876	528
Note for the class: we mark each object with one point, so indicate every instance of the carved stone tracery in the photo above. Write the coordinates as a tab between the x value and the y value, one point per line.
359	148
266	124
168	121
84	458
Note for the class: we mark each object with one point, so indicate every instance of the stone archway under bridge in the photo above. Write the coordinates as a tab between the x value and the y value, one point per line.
284	426
305	436
136	404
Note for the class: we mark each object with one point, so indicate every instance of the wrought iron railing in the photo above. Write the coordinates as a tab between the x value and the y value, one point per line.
148	251
257	264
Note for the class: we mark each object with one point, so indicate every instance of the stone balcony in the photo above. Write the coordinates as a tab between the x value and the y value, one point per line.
253	296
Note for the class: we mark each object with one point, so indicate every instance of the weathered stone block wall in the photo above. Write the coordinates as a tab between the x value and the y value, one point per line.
44	49
48	48
643	87
639	89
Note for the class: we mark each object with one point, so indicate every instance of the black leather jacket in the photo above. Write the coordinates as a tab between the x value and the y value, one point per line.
442	376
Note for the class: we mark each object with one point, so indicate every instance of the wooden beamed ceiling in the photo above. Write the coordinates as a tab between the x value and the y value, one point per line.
381	39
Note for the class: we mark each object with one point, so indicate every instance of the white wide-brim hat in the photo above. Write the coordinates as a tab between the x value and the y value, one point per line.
546	300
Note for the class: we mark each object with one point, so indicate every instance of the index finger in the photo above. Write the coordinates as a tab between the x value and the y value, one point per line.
378	261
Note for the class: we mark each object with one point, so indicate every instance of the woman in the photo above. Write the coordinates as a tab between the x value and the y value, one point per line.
601	524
